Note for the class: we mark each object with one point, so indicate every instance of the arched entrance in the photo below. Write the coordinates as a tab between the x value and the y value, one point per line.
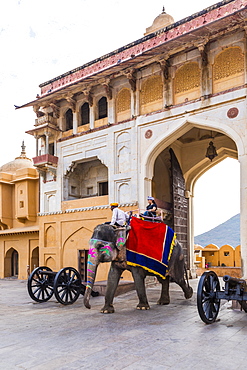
11	263
34	258
172	166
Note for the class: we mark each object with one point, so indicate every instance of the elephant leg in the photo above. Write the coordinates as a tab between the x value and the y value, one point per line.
112	283
188	291
164	296
139	278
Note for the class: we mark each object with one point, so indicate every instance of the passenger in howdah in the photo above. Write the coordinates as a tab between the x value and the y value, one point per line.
151	208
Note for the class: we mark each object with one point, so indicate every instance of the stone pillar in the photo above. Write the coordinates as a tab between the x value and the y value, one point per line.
243	213
132	103
111	111
75	125
37	145
91	117
46	143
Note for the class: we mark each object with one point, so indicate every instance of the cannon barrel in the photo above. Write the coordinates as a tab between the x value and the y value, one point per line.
233	281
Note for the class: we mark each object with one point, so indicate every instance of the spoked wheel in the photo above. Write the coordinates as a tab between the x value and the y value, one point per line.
207	303
40	284
67	285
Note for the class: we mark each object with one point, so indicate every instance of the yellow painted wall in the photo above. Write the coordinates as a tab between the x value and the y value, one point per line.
227	256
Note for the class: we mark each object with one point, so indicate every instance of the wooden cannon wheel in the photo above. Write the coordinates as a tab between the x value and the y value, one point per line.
207	302
40	284
67	285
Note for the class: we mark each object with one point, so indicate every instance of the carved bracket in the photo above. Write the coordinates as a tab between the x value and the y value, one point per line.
72	103
89	97
108	89
131	75
203	50
55	109
164	65
37	111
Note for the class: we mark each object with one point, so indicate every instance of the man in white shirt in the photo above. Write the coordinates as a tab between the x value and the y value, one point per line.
119	217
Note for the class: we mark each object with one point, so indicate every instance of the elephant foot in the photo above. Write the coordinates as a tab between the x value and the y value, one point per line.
189	293
107	309
163	301
141	306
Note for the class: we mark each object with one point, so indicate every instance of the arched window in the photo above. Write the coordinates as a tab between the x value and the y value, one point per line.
84	114
69	119
102	107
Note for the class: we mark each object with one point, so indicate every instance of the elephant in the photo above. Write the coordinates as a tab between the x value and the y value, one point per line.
105	244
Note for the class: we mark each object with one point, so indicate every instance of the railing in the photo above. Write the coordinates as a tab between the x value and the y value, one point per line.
45	159
45	119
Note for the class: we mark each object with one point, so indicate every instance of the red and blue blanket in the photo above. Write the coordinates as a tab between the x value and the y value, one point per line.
149	245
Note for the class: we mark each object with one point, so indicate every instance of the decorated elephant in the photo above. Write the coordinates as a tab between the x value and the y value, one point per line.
107	245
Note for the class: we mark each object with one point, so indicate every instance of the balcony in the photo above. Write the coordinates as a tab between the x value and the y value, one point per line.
45	120
46	165
45	160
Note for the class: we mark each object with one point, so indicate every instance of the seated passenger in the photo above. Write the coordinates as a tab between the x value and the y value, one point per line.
119	217
151	208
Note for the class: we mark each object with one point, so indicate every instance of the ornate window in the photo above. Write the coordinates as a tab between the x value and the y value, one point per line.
228	69
69	119
151	97
187	82
152	90
123	100
102	107
84	114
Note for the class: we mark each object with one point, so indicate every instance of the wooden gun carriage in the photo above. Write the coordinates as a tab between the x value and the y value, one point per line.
209	294
65	284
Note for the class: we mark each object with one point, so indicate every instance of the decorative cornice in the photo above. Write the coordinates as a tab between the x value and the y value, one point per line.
84	209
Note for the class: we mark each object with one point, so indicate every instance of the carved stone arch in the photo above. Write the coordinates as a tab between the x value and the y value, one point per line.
187	83
151	96
50	236
228	69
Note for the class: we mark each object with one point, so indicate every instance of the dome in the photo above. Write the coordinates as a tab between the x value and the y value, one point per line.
163	20
20	162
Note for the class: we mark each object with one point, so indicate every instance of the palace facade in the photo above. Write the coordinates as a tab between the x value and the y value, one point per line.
137	122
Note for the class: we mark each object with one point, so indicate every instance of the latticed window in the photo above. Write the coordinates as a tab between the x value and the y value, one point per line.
123	100
69	119
102	107
188	77
152	90
84	114
228	63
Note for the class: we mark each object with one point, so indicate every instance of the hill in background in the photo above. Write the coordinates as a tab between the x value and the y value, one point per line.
226	233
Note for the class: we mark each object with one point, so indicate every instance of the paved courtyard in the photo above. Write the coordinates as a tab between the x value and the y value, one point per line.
52	336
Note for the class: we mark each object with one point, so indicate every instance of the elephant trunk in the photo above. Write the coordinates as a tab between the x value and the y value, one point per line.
92	265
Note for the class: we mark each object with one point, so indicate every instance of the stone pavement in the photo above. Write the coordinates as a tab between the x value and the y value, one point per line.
52	336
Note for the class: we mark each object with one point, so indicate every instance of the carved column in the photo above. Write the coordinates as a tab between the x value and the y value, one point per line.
131	76
166	77
206	88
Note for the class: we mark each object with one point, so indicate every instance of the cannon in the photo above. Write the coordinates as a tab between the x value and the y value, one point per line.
65	284
209	294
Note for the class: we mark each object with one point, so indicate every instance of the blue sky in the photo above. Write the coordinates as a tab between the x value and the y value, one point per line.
41	39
